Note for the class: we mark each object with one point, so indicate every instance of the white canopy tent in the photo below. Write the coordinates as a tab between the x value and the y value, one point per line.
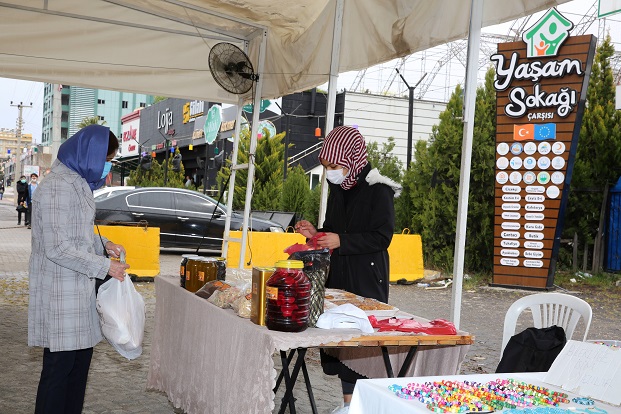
161	47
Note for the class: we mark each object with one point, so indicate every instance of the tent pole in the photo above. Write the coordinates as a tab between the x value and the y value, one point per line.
253	149
231	191
470	93
331	105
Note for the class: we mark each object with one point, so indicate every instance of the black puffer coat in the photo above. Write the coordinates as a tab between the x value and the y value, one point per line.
364	219
22	191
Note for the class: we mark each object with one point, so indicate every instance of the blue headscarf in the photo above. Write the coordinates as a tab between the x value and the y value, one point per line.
85	153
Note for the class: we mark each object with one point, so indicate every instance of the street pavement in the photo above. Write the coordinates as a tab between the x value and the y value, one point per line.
117	385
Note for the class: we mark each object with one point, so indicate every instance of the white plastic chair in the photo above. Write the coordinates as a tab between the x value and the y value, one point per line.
548	309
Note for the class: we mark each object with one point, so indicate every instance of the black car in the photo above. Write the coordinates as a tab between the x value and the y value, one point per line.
186	218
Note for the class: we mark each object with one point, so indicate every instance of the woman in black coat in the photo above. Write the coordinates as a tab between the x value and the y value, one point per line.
359	225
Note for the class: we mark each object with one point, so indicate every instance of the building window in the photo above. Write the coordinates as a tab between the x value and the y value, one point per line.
101	101
124	104
143	105
101	118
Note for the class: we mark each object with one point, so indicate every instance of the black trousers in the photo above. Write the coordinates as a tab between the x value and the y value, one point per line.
63	381
332	366
19	217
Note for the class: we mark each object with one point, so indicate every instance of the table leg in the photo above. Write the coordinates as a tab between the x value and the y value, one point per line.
290	380
406	363
288	384
282	371
408	360
309	388
387	363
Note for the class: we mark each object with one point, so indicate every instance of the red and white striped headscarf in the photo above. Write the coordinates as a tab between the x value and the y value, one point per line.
345	146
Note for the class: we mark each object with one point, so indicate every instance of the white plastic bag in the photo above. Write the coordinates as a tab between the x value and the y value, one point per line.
122	315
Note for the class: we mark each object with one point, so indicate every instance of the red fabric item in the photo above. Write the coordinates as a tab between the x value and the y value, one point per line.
435	327
311	244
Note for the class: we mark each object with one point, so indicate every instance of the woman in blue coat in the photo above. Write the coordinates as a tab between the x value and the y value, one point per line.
66	258
359	224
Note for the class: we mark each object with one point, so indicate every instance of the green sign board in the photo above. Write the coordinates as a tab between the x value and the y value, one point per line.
265	103
212	123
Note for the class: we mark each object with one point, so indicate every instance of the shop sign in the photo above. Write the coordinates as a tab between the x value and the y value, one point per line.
192	110
227	126
265	103
540	85
267	126
165	120
212	123
130	138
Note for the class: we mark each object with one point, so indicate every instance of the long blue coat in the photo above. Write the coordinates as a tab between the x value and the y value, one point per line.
66	258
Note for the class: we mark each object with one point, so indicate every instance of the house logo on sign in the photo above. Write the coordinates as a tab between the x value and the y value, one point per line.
546	36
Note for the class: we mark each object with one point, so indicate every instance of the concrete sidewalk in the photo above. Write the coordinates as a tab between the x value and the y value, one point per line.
119	386
115	384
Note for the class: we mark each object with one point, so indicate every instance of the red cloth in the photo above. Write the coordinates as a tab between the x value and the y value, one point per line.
435	327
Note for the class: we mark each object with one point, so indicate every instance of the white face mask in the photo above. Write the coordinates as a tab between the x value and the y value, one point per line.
335	176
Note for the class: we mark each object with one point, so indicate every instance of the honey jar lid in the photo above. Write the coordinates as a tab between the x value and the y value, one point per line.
290	264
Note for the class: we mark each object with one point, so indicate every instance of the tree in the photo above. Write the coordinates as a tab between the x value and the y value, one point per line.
295	191
311	206
598	155
431	187
90	120
268	161
384	160
155	176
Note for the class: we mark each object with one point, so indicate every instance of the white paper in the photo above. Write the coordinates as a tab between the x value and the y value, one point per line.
589	370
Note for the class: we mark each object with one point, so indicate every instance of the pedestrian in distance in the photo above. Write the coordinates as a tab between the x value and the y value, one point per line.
31	189
21	187
66	259
359	224
1	190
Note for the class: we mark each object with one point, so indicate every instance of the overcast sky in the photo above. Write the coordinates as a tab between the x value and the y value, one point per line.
32	92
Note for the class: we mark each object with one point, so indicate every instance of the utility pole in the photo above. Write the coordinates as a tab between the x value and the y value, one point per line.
18	157
410	115
56	119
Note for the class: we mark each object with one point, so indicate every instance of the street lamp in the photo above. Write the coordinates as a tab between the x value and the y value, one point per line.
410	115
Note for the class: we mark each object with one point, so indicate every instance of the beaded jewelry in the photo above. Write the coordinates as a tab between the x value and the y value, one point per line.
583	401
472	397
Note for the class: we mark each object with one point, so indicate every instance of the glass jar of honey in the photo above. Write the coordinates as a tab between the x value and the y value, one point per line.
184	262
288	295
191	273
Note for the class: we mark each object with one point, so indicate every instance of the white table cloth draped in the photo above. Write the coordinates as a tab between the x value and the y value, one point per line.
209	360
372	396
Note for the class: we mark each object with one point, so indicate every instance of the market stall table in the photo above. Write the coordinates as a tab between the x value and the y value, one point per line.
208	359
373	396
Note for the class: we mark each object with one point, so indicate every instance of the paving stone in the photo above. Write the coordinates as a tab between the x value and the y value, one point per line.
117	385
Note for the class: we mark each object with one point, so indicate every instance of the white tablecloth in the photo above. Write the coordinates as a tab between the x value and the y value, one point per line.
209	360
372	396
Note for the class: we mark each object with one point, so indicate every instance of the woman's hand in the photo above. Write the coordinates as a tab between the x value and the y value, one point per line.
330	240
114	249
305	228
117	269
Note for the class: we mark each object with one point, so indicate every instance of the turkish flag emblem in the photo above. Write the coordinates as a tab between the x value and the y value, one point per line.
523	132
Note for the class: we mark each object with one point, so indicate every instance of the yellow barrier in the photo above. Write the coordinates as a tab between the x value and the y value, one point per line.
406	252
142	247
266	248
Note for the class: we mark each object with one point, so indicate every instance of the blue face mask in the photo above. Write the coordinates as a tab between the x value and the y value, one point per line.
107	168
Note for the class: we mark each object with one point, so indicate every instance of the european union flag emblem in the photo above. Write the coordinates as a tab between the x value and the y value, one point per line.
544	132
